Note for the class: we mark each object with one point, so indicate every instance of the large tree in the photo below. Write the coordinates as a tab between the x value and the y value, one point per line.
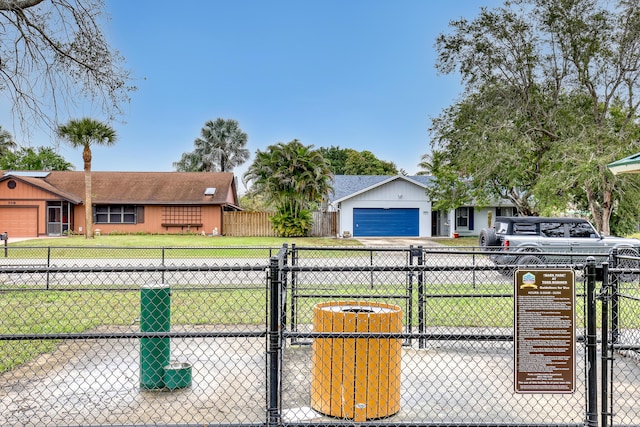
347	161
84	133
292	177
54	53
40	158
550	99
6	142
220	148
366	163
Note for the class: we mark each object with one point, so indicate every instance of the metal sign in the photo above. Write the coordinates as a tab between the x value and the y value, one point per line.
544	338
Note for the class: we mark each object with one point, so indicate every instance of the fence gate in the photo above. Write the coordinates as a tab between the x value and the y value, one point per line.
620	360
456	358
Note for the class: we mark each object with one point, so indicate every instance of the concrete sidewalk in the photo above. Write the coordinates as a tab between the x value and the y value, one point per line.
398	241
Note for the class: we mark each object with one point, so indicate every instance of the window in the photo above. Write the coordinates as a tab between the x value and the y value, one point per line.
552	229
115	214
501	227
505	211
524	228
462	217
581	229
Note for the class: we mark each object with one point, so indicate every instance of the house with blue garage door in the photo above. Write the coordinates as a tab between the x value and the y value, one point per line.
398	206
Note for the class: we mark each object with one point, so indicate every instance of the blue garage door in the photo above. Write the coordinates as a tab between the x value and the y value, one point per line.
385	222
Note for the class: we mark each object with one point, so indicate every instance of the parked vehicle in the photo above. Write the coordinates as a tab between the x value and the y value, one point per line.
539	240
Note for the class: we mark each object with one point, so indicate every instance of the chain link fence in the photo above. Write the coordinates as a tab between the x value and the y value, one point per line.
72	338
620	296
285	336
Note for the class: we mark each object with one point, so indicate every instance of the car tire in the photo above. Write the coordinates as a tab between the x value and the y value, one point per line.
628	264
528	260
488	238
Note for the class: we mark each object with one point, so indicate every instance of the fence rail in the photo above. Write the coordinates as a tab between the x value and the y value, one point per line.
242	344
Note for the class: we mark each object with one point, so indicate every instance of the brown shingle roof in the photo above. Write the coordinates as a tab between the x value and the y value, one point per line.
144	187
42	184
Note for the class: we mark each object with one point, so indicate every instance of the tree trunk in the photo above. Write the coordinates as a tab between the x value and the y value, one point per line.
88	203
601	213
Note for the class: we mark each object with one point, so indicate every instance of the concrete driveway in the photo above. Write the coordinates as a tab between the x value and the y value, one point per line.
398	241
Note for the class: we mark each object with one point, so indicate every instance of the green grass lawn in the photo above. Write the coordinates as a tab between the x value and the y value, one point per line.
166	246
182	240
175	246
195	240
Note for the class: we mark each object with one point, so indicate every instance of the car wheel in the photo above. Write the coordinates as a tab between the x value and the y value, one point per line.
528	260
628	264
488	238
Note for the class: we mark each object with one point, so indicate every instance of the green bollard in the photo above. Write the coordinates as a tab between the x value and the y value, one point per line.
155	316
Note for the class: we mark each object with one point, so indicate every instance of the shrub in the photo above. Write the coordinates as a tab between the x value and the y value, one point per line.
287	225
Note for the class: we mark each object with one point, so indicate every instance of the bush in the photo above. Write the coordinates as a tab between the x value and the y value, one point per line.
286	225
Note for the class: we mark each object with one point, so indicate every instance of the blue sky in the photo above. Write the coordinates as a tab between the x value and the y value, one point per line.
356	74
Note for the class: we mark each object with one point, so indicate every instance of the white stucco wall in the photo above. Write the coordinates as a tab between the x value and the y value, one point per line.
480	221
396	194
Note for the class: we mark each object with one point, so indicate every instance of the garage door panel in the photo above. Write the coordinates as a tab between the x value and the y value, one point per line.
386	222
19	221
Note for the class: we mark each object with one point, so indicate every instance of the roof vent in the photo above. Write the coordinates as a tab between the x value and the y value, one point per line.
210	191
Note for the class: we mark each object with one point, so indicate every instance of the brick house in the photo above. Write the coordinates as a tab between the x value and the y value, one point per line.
34	203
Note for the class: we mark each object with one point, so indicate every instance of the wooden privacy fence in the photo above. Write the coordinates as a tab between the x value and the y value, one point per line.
325	224
258	224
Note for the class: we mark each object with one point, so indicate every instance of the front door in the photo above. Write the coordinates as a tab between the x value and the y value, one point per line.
54	220
439	223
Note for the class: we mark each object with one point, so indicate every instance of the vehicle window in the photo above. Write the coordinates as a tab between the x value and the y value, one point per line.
524	228
581	229
552	229
501	227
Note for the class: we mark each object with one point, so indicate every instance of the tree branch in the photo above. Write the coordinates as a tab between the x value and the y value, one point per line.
14	5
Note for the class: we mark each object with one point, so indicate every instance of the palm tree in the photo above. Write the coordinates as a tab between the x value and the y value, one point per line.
84	133
220	148
292	177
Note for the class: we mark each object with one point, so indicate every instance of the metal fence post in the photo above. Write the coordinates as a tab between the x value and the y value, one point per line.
592	369
421	301
605	297
276	265
414	252
371	264
162	264
48	264
294	291
615	308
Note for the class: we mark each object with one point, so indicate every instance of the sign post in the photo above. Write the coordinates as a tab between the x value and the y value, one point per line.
544	339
